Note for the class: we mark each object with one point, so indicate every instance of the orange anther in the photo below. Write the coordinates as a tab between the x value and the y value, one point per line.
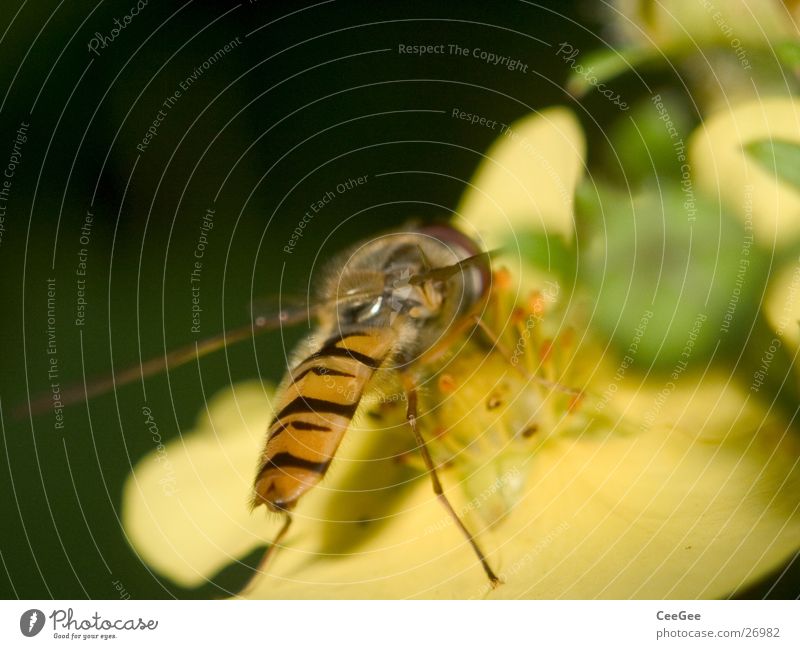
530	431
574	402
447	383
537	303
502	279
493	402
517	315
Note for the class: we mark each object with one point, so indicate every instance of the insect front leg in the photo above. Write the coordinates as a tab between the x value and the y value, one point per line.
411	417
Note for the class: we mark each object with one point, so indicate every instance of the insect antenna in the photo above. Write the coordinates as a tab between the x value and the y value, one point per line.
444	273
425	262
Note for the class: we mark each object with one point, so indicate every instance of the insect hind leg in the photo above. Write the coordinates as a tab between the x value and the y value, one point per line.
411	417
260	569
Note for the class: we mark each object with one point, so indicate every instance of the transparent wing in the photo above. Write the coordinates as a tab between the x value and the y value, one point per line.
267	314
265	319
286	309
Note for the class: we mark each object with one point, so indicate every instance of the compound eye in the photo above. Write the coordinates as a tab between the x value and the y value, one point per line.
463	247
452	238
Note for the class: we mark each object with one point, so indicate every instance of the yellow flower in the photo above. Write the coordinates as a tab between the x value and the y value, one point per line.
527	181
636	487
767	205
730	50
670	24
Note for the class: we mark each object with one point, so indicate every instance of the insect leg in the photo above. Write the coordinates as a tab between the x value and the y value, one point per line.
268	553
411	416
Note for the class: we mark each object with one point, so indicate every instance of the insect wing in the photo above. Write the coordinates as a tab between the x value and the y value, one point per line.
265	320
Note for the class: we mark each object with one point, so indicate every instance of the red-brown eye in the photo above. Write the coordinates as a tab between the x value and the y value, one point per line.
463	247
453	238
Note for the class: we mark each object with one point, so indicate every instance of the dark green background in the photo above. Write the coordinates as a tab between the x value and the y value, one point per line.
294	110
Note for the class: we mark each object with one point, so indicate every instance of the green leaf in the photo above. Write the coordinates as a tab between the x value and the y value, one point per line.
664	282
649	139
595	68
779	157
550	253
789	54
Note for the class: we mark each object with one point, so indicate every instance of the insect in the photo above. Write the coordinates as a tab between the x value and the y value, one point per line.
386	308
389	305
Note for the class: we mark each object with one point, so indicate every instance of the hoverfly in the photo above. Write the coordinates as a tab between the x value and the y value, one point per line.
389	307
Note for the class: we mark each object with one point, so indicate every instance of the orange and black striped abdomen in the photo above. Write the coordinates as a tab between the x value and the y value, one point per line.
314	411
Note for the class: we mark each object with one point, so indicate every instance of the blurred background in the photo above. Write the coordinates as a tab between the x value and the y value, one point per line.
146	138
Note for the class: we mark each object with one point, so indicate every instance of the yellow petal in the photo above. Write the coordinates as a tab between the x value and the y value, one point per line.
526	181
721	166
782	306
693	509
696	504
185	507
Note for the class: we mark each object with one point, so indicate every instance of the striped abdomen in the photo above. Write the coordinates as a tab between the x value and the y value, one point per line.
314	410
